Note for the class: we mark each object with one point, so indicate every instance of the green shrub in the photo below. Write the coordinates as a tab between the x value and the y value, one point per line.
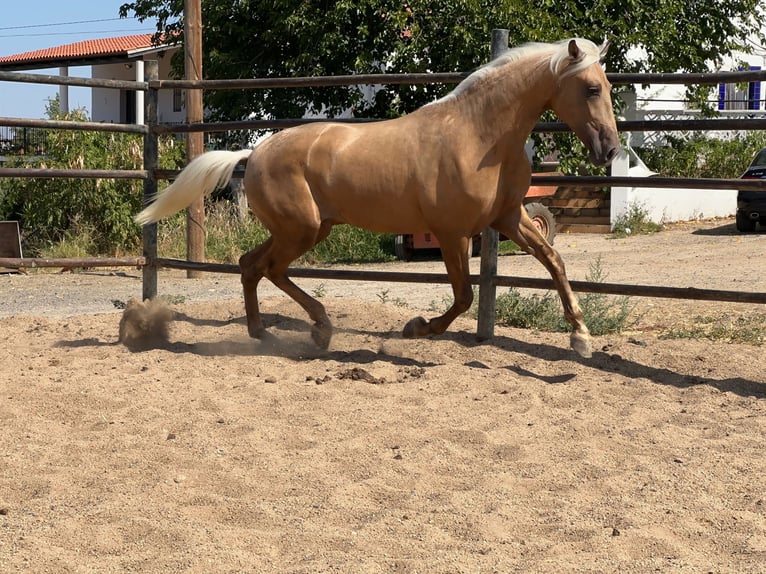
702	156
51	211
535	311
227	238
604	314
347	244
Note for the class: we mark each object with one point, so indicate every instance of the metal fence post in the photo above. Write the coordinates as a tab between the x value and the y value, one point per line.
489	241
151	162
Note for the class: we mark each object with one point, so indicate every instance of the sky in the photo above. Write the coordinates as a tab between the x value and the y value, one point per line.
27	25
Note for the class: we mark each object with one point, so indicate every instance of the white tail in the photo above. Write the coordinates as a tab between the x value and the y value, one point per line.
204	174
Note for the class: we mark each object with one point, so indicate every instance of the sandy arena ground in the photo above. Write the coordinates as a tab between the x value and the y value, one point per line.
218	453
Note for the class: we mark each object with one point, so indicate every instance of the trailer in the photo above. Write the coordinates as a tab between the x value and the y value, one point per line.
406	244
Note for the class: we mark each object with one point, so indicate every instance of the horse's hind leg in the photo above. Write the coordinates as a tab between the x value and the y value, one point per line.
455	256
520	228
272	260
252	267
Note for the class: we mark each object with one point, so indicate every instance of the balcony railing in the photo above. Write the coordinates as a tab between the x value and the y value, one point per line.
22	141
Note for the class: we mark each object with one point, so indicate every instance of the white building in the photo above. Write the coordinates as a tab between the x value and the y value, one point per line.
120	58
668	101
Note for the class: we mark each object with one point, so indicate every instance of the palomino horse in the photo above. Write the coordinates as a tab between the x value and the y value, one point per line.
453	167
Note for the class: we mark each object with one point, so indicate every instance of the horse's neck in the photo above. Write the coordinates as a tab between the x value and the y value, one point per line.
505	108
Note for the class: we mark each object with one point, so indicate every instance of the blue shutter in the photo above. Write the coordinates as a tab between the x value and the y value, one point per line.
721	96
754	93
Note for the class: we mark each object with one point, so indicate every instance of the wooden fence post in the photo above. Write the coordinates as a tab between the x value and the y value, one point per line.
195	141
151	162
489	241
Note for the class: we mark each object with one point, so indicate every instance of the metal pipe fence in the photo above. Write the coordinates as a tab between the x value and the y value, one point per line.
150	262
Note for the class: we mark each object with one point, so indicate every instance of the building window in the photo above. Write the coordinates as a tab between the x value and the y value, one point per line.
740	96
178	100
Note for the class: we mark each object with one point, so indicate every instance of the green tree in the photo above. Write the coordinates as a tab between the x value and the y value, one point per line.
257	38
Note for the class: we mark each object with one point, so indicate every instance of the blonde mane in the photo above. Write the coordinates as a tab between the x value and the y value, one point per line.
556	53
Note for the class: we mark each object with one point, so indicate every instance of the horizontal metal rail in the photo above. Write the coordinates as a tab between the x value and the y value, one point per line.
72	81
71	125
500	281
593	181
710	124
702	78
74	262
654	181
557	180
692	293
313	81
32	172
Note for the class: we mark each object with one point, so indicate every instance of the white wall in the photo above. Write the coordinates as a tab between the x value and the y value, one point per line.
107	104
665	205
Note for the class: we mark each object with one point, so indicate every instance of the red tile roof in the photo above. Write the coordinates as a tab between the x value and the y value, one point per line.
102	47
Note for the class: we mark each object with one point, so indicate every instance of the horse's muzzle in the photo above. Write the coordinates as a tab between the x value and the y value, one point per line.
604	147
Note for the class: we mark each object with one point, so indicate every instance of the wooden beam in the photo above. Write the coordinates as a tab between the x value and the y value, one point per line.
195	214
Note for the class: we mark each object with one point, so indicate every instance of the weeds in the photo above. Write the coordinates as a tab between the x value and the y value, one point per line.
347	244
226	237
747	329
319	291
397	301
508	247
77	241
635	220
603	314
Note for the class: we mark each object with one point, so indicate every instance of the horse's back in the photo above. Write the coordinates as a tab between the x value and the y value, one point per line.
362	174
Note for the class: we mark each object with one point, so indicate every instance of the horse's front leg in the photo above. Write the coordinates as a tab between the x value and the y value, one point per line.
521	229
455	255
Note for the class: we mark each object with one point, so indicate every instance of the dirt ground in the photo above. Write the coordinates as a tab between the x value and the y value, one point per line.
218	453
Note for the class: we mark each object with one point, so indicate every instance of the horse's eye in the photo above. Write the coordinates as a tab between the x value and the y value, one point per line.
594	91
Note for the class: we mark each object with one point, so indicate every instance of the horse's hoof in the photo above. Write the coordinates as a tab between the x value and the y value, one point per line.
580	342
321	335
417	327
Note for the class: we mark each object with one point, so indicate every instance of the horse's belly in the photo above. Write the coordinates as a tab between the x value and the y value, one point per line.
390	214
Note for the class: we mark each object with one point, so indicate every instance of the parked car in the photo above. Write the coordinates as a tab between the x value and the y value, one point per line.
751	205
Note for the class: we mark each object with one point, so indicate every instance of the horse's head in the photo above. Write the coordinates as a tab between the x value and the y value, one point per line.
582	100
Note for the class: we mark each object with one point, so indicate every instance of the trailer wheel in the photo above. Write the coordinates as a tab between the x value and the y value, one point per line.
543	219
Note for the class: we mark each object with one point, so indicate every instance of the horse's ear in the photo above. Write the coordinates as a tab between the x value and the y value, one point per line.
603	48
574	51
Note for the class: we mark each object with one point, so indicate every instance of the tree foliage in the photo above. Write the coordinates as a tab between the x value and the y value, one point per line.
259	38
284	38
